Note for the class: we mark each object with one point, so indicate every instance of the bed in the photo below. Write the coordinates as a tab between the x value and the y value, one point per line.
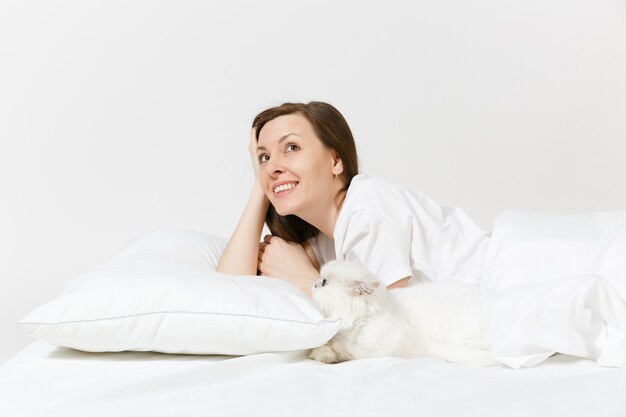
46	380
156	332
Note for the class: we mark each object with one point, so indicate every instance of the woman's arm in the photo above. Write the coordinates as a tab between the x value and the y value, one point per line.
242	251
403	283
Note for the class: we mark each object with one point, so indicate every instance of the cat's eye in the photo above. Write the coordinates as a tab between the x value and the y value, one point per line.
323	282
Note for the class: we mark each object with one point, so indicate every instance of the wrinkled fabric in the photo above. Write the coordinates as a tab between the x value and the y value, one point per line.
555	284
579	315
396	231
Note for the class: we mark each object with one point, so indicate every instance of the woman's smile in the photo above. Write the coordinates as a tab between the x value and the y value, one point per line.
283	186
284	193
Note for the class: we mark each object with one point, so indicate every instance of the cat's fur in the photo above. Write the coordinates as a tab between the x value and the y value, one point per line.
438	320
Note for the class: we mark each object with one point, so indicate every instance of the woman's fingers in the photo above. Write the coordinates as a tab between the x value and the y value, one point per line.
267	239
262	246
252	149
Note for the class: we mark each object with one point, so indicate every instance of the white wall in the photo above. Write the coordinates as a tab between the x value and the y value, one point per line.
118	117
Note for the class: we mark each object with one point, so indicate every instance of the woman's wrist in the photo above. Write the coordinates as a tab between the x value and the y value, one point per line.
258	195
257	189
306	283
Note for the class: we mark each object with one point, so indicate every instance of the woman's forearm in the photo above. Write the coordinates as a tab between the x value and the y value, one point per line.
241	254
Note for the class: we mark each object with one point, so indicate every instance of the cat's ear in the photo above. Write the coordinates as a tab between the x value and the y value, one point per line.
363	287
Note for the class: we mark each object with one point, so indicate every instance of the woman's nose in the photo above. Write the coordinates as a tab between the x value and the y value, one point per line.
275	165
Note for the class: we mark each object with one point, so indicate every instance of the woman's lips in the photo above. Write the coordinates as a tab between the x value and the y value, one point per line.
284	193
293	183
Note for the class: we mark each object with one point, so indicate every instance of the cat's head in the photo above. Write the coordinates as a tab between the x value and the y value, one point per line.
347	290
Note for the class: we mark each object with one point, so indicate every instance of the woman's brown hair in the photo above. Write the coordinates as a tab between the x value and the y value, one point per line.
333	131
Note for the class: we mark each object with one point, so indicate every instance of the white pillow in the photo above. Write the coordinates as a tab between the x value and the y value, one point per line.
529	247
161	293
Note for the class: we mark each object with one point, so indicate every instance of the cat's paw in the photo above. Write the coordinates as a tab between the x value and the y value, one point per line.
324	354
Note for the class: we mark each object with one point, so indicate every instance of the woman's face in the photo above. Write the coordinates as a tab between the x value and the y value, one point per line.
295	169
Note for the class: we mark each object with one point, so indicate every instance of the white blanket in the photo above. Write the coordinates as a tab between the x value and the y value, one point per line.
556	283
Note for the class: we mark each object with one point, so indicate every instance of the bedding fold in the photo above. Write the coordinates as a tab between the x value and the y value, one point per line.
556	284
579	315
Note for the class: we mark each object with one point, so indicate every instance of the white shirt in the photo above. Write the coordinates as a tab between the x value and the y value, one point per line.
398	232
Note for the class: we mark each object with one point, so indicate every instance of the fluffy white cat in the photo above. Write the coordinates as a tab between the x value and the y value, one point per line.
443	320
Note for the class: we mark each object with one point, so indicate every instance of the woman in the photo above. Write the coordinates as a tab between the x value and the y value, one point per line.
318	208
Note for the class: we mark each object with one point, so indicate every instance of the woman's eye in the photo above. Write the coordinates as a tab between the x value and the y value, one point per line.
261	160
293	146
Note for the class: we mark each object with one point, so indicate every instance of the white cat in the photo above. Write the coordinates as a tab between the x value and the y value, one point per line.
441	320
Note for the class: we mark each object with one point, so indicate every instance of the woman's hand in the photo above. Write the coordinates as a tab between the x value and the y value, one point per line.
286	260
257	189
252	148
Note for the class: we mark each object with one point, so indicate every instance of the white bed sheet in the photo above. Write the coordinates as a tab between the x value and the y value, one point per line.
46	380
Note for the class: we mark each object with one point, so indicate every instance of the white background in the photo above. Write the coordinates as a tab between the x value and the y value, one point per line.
118	117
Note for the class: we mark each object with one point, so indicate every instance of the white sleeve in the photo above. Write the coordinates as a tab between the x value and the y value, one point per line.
379	243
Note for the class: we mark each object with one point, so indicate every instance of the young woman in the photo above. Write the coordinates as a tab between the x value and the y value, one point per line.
319	207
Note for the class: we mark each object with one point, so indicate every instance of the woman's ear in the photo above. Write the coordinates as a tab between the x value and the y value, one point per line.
337	164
